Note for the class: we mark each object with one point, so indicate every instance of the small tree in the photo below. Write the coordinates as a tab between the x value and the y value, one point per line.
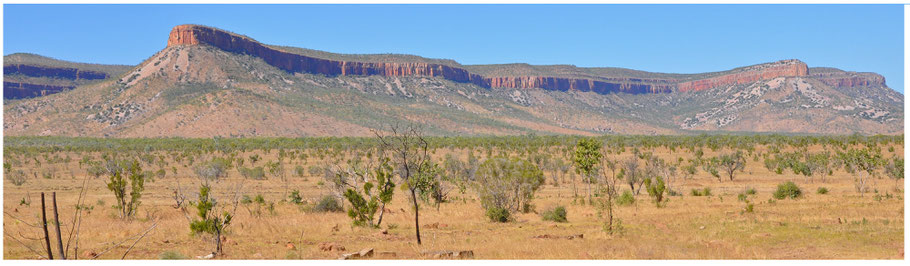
213	170
632	174
895	168
364	206
606	192
409	152
210	221
862	163
820	164
507	185
122	172
730	163
587	155
276	169
656	189
17	177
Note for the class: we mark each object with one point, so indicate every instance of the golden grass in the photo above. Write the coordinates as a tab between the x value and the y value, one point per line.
688	227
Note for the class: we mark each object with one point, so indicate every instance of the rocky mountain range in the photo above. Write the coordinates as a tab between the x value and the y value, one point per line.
210	82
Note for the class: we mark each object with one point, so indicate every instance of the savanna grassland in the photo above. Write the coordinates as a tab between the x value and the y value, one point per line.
274	197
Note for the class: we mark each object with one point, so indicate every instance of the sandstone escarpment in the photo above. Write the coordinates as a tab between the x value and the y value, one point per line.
565	84
195	35
785	68
844	79
52	72
27	81
18	90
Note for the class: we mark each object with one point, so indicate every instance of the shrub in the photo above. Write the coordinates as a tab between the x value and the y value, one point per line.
497	214
328	204
741	197
295	197
214	169
787	190
626	198
299	171
557	214
257	173
364	204
704	192
16	177
750	208
656	189
507	184
171	255
210	221
750	191
121	172
822	190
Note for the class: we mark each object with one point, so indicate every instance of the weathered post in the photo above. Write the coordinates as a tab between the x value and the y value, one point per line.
57	226
47	239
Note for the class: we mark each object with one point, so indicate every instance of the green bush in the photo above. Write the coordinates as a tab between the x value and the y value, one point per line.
741	197
256	173
171	255
295	197
507	183
626	198
750	208
497	214
787	190
822	190
704	192
328	204
557	214
750	191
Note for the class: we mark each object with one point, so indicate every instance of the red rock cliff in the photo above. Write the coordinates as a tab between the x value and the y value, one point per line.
785	68
850	79
195	35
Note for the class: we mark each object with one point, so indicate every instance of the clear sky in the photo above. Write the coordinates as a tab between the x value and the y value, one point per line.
660	38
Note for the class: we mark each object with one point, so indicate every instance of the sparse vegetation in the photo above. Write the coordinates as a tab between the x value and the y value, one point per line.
557	214
456	183
787	190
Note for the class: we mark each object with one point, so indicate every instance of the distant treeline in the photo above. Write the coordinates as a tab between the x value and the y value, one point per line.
533	142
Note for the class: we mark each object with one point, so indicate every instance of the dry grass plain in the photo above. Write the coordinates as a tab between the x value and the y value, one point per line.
839	225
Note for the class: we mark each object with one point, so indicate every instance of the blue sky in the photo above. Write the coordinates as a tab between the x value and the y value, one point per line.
660	38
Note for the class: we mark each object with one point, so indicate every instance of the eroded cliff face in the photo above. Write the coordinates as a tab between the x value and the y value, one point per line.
785	68
18	90
850	79
27	81
565	84
52	72
196	35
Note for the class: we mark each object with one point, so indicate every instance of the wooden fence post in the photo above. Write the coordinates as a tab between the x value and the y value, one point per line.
57	225
47	239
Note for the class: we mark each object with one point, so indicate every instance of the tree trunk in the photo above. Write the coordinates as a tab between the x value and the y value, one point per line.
416	215
381	211
47	239
610	211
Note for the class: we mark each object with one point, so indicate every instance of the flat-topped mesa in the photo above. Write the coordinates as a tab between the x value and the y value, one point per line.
195	35
784	68
565	84
52	72
842	79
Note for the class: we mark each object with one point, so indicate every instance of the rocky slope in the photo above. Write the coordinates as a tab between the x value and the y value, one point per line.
28	75
208	82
